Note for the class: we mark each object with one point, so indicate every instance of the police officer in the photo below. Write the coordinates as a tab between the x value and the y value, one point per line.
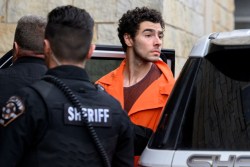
49	123
28	57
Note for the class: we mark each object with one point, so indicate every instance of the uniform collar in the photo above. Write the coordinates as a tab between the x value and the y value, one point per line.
29	60
69	72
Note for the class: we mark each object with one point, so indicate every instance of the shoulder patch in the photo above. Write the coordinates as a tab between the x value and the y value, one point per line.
13	109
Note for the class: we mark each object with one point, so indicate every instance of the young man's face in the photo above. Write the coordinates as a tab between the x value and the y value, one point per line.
148	41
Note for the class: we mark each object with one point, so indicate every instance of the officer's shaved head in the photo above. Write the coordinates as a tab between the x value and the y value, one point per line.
69	31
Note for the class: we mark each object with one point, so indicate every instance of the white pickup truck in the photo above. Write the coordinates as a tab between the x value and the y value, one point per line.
206	121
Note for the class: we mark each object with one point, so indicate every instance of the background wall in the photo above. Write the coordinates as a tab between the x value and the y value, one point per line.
186	20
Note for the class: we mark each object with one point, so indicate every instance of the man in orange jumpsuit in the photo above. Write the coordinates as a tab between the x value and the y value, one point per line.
143	82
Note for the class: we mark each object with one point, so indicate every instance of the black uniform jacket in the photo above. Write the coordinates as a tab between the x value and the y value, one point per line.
50	132
22	73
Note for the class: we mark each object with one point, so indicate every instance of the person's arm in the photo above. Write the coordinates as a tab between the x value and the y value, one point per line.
17	136
12	142
141	138
124	154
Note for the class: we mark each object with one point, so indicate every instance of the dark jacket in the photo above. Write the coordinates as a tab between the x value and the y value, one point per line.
49	132
23	72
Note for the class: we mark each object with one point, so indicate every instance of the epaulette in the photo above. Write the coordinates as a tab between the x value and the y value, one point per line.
99	87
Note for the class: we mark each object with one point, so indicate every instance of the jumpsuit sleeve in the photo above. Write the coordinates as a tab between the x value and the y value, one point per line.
17	137
124	155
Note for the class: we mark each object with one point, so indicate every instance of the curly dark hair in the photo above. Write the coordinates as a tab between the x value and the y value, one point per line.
130	22
70	32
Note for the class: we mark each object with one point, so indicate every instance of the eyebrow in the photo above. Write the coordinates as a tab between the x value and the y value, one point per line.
151	30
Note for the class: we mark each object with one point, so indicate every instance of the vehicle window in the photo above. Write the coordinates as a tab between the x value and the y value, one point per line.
168	130
96	68
5	60
218	114
209	108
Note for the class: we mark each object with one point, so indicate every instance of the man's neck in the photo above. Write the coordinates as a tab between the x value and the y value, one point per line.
135	71
29	53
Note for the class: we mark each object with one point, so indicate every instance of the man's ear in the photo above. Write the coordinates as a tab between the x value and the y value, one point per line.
47	53
128	40
15	51
91	50
47	48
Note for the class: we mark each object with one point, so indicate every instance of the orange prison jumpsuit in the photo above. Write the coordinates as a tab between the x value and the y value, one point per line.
148	108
